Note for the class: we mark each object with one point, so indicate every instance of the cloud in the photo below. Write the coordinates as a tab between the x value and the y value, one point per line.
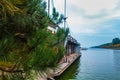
84	16
92	18
94	7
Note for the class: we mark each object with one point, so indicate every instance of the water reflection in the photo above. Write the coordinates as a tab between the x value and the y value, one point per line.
71	72
116	57
95	64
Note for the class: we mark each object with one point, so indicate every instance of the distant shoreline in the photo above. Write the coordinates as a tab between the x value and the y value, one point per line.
107	48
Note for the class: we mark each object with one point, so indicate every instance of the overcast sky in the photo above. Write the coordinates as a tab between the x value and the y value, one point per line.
92	22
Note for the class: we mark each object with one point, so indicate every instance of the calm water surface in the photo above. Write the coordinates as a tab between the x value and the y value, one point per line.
94	64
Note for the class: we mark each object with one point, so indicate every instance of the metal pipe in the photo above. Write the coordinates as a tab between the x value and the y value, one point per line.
65	14
48	7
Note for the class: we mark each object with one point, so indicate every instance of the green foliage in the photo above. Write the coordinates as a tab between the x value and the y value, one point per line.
43	58
6	44
36	5
16	76
60	54
61	34
56	18
43	51
55	14
35	17
38	38
25	41
11	7
116	41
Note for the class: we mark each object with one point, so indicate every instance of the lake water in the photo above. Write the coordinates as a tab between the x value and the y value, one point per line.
94	64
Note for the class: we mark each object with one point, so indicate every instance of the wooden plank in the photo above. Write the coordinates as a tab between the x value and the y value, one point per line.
67	64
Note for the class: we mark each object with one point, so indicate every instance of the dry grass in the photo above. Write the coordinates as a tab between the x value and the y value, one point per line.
112	46
6	64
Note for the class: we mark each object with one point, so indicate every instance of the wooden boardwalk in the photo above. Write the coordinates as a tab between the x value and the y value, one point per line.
63	66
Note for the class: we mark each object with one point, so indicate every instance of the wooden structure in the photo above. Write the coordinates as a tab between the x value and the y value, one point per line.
72	45
63	67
